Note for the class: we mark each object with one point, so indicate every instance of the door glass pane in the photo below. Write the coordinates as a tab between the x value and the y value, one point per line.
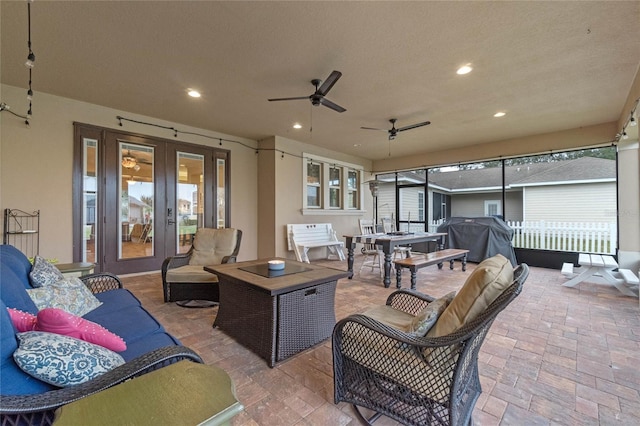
89	200
190	199
221	194
136	210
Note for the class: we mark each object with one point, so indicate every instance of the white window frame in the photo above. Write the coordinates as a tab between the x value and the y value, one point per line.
325	209
489	203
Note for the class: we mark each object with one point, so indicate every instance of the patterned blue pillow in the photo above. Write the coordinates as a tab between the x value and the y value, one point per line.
69	294
62	360
44	273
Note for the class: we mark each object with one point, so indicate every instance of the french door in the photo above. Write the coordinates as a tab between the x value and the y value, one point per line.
140	199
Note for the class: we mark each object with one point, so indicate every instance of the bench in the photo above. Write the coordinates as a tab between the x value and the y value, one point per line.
567	270
305	236
437	257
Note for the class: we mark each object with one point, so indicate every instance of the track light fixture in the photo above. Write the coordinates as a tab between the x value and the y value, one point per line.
31	59
631	122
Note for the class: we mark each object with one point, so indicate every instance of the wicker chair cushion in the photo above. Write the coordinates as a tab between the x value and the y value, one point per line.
391	317
52	320
190	274
490	278
210	246
69	294
44	273
22	321
61	360
423	322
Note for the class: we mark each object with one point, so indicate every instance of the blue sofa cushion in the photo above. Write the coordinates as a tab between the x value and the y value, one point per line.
130	323
14	260
148	343
14	381
114	300
14	295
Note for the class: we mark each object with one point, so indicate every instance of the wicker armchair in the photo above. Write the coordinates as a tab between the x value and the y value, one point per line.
414	380
183	277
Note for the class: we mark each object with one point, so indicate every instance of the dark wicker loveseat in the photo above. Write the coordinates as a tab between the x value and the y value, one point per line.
25	400
414	380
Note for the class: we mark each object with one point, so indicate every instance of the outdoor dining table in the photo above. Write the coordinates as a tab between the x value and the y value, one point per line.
596	265
388	242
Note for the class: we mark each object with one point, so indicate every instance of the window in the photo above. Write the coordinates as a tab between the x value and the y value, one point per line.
353	200
492	208
334	186
314	188
331	186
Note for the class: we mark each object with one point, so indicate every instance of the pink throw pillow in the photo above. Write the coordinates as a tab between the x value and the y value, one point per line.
22	321
54	320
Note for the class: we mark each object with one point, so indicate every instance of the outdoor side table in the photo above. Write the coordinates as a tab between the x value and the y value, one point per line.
184	393
75	269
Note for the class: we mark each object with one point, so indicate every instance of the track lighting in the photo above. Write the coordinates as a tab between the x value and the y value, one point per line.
624	135
31	59
632	121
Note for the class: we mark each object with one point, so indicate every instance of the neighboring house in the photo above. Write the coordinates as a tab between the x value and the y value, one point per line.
579	190
184	207
137	210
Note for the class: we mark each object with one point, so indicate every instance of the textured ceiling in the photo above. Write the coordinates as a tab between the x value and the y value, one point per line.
550	65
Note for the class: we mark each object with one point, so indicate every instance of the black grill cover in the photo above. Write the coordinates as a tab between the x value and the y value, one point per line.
482	236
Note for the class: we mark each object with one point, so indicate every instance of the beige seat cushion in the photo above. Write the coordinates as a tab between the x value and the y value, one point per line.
210	246
390	316
190	274
490	278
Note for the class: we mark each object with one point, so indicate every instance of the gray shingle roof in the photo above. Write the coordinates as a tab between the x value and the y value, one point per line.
579	169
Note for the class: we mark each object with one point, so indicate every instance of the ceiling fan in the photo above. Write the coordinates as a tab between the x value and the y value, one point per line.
393	131
318	97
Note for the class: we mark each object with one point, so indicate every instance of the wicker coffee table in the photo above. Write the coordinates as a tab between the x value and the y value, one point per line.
280	315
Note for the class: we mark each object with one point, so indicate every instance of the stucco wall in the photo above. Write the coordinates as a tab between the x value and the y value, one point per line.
36	166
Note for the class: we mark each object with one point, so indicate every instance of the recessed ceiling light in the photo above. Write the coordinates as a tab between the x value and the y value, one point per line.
297	126
193	93
499	114
357	144
465	69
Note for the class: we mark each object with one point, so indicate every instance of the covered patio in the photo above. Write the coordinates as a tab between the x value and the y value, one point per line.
556	355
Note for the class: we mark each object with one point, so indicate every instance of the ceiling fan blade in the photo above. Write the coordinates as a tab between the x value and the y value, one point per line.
288	99
373	128
413	126
329	82
326	102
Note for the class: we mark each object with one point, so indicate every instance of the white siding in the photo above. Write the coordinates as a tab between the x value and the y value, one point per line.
595	202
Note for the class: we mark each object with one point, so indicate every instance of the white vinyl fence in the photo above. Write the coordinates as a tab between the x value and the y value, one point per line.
566	236
561	236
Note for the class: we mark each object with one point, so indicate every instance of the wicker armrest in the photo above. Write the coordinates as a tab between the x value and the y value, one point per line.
175	262
229	259
362	325
25	407
103	281
409	301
